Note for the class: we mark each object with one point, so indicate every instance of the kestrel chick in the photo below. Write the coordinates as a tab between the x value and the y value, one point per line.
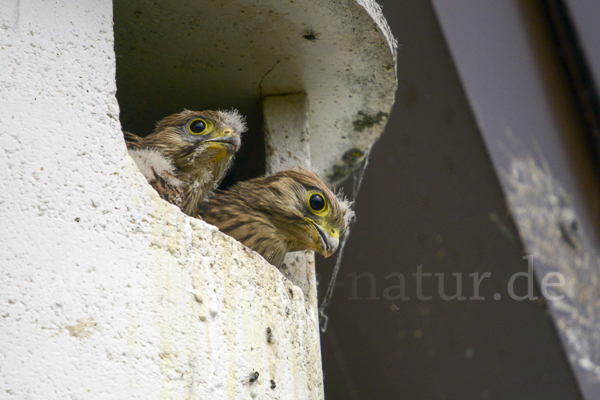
188	154
288	211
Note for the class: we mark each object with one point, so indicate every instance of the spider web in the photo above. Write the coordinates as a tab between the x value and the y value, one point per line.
357	177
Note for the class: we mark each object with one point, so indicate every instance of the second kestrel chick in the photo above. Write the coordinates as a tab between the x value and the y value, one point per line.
188	154
291	210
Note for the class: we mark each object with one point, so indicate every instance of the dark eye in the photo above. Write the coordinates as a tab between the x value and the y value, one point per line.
316	202
197	126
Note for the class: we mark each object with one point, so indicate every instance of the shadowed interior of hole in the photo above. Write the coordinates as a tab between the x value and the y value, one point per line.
250	161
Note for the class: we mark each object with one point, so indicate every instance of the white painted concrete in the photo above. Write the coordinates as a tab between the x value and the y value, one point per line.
106	291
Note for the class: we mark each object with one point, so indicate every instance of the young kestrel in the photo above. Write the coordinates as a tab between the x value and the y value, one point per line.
188	154
291	210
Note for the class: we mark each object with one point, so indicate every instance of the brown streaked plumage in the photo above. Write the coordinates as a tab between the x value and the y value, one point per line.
188	154
280	213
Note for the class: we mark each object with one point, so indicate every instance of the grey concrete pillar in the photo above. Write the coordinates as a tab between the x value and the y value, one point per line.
287	142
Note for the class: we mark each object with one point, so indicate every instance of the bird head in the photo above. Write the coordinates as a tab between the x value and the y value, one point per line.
197	141
306	213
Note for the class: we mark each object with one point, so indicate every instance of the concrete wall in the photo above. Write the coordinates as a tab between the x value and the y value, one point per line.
106	291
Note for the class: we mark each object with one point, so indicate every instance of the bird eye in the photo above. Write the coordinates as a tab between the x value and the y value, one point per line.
316	202
197	127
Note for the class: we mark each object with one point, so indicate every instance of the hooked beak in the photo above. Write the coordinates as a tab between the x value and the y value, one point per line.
232	141
326	243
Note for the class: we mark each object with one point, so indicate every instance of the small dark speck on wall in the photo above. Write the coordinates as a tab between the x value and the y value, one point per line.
311	35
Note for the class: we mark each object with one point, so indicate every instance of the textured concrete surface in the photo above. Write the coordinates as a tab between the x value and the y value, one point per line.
106	291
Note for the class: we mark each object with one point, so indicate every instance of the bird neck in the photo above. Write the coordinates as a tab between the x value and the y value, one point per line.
234	216
202	179
267	240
